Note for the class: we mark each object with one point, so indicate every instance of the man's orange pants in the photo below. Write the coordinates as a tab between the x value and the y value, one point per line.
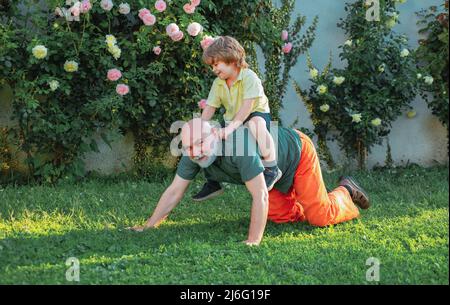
307	199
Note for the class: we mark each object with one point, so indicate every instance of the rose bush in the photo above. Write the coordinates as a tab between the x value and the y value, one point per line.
360	102
80	67
432	55
98	65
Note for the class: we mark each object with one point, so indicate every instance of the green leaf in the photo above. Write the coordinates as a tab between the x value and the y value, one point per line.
94	146
78	168
443	37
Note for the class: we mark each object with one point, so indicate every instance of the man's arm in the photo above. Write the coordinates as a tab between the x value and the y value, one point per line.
168	201
240	117
260	208
208	113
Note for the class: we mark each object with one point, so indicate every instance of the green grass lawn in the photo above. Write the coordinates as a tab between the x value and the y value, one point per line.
40	227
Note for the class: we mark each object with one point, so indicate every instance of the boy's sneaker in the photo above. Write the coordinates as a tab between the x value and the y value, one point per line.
208	191
271	177
359	196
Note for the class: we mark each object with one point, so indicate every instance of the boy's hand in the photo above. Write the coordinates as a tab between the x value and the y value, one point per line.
225	132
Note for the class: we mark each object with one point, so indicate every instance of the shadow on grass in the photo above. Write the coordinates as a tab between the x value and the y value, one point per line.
24	247
196	246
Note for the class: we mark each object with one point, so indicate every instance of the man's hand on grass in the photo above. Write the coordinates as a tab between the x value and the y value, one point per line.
138	228
251	243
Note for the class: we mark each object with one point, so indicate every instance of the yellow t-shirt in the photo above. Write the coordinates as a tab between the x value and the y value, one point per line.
247	86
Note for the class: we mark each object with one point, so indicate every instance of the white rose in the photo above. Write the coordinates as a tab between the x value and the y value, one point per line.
54	84
391	22
194	29
324	107
338	80
110	40
356	118
404	53
124	8
376	122
115	51
428	80
107	5
70	66
322	89
313	73
39	51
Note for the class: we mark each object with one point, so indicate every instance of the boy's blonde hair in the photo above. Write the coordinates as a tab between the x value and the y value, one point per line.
226	49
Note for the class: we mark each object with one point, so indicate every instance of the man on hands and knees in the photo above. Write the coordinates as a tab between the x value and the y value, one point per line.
300	195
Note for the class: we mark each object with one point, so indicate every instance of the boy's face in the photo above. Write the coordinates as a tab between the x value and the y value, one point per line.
223	70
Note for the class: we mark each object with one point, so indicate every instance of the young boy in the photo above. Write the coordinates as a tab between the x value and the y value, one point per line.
239	90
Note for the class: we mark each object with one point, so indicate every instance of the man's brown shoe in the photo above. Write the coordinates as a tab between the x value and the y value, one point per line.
359	196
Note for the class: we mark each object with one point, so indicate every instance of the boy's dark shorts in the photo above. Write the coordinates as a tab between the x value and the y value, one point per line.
266	116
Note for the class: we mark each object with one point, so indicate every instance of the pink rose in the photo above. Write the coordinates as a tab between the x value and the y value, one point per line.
194	28
160	6
122	89
206	42
149	19
202	104
287	48
188	8
172	28
86	6
143	12
177	36
284	35
157	50
114	74
76	9
195	2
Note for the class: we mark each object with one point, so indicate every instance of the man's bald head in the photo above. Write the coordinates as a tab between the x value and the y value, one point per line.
200	141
